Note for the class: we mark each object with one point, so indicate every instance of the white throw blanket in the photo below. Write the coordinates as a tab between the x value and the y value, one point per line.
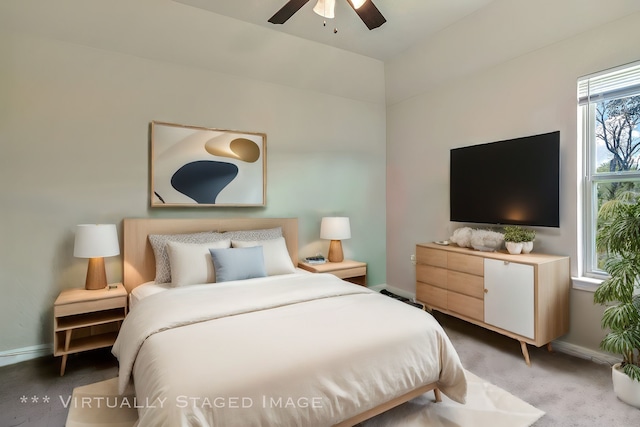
299	349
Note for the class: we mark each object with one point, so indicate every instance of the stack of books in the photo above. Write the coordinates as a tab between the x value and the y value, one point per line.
318	259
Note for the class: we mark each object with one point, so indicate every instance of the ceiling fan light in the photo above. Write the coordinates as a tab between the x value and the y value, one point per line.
326	8
357	3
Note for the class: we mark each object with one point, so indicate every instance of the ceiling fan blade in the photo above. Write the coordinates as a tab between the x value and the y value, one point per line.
287	11
369	14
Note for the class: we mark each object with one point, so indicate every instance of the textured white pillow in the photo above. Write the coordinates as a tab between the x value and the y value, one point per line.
276	256
191	262
253	235
159	246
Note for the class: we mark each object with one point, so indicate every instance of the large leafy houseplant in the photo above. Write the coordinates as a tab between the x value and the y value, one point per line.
619	237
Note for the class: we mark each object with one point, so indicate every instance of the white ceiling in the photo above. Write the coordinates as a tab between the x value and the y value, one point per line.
408	21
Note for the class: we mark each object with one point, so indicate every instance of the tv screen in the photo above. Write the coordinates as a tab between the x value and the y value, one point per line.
516	182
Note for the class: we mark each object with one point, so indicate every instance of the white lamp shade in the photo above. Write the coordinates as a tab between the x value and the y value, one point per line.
96	240
325	8
335	228
357	3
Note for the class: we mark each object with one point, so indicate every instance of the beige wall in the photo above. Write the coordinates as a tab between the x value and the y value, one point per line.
80	82
519	96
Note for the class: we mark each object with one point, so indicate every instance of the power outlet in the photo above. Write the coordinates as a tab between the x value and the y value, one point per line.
413	259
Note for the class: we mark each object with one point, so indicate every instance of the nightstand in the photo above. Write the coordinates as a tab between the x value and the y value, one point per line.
87	319
349	270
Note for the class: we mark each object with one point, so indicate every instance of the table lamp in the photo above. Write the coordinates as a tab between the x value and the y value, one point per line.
335	229
96	241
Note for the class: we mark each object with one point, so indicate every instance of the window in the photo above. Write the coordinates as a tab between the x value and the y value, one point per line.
609	118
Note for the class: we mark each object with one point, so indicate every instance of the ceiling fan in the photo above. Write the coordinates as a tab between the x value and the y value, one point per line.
366	10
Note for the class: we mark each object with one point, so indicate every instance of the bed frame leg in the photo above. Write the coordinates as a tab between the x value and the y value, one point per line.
436	392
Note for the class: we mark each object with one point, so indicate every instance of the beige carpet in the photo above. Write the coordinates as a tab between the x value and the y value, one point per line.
97	405
487	405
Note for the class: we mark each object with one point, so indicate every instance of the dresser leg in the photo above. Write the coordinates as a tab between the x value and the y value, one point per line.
549	348
525	352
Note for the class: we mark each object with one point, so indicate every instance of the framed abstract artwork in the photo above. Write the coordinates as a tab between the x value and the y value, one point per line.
195	166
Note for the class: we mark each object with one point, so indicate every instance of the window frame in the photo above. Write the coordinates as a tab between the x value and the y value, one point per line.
588	141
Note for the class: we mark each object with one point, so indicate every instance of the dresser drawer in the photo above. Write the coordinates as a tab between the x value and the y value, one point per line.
466	263
429	256
432	296
431	275
466	306
466	284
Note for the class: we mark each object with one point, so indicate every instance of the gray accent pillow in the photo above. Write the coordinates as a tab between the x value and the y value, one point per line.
238	263
159	245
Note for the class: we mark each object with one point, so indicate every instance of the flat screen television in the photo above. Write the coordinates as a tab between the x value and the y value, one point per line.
515	182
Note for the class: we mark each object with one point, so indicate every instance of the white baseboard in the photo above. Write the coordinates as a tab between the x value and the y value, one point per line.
585	353
18	355
560	346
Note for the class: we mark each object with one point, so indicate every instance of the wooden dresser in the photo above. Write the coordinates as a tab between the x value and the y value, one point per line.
525	297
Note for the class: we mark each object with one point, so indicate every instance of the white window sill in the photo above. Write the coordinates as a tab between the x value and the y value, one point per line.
588	284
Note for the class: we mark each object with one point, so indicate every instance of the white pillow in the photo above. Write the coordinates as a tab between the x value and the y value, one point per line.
276	256
159	246
191	262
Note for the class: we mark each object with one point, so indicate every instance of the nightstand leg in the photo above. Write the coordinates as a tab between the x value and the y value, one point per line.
67	341
64	364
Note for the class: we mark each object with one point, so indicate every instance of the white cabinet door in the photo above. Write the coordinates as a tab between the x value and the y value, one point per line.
509	296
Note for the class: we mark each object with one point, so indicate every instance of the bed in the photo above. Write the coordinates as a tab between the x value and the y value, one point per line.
286	349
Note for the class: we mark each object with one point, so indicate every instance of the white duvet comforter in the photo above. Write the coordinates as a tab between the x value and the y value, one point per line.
294	350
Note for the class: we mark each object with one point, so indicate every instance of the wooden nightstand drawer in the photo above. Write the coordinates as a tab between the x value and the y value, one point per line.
89	306
351	271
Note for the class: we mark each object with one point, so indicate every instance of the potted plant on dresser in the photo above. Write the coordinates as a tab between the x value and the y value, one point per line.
518	239
619	236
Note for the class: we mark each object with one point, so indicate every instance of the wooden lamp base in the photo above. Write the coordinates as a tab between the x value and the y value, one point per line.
335	251
96	274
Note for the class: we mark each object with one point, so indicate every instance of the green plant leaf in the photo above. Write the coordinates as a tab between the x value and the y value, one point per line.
619	317
619	237
622	342
633	371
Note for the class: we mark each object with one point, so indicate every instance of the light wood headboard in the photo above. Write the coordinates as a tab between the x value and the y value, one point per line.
139	261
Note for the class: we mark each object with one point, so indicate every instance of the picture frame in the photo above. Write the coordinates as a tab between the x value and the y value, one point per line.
194	166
